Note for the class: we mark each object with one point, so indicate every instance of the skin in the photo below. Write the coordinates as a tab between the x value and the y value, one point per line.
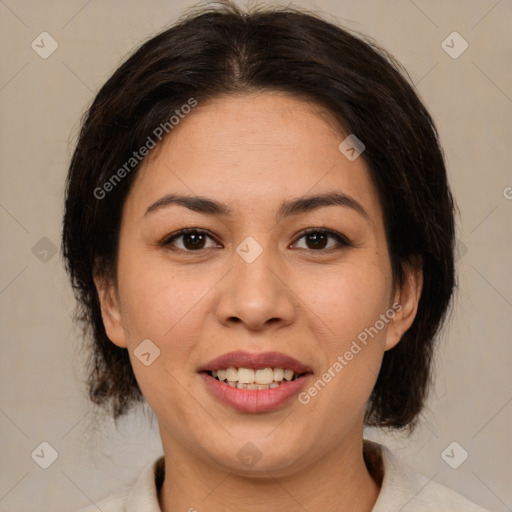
252	152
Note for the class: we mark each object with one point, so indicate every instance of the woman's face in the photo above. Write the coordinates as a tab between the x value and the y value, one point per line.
268	168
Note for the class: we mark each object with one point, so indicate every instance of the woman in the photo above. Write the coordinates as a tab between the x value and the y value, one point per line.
260	234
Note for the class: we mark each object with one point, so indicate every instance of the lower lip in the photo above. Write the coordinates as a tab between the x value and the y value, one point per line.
255	400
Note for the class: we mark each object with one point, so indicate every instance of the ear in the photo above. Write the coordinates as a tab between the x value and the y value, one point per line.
110	311
405	304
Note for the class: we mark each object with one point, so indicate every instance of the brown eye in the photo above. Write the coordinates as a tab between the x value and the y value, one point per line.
320	239
194	241
317	240
190	240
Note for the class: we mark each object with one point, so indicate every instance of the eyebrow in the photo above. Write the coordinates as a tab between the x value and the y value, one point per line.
208	206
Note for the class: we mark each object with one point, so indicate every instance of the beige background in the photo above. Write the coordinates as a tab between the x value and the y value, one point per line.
41	101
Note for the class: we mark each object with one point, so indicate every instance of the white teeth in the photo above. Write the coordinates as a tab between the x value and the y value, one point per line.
278	374
288	374
232	374
246	375
263	376
241	385
247	378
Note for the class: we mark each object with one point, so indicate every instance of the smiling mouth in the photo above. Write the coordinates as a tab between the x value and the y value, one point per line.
259	379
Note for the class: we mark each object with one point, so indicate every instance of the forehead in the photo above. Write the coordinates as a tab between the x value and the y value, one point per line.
254	149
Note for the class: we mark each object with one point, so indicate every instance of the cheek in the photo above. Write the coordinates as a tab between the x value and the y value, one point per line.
158	301
347	307
168	308
348	299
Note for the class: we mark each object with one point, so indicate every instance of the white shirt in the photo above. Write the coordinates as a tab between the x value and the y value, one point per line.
401	489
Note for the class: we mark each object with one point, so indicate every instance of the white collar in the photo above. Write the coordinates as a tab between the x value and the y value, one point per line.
401	488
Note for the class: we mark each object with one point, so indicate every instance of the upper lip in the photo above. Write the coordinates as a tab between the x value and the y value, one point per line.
244	359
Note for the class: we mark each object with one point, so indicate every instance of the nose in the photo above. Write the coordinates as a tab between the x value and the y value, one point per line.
256	295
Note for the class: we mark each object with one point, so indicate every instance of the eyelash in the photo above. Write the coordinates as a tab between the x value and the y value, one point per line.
340	239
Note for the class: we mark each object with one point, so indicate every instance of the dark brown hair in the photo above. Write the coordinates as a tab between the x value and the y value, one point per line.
225	50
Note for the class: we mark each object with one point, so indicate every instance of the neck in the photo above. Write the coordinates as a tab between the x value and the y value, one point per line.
339	480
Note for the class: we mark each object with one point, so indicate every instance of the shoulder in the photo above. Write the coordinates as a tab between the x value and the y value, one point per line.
142	495
405	490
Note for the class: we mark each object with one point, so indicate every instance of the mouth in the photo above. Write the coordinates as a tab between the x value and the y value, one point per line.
249	378
251	382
